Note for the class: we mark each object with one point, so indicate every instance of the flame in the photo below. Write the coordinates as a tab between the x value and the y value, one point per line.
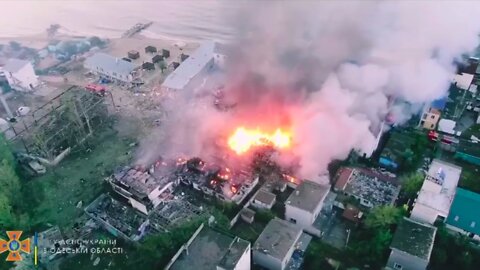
243	139
290	178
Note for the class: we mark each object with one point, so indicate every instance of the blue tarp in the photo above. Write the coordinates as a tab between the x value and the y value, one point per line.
388	163
439	104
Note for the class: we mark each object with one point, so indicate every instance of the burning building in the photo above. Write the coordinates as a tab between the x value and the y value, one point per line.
325	81
214	180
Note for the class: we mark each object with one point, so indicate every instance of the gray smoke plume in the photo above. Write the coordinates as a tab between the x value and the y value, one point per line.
331	71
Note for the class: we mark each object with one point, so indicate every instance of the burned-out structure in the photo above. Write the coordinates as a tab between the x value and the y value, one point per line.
214	180
372	189
173	213
144	189
117	218
66	121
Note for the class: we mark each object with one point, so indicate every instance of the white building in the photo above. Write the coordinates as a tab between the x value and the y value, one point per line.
437	192
264	199
275	245
369	147
110	67
209	249
304	204
192	70
463	81
20	75
412	246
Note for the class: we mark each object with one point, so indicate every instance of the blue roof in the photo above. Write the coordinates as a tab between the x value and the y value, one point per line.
439	104
464	212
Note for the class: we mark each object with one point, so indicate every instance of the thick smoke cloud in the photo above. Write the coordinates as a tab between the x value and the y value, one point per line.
332	72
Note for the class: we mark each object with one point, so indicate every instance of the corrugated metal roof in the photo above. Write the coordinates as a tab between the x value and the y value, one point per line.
110	63
464	212
189	68
14	65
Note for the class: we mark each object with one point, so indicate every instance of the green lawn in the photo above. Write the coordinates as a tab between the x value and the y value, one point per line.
54	196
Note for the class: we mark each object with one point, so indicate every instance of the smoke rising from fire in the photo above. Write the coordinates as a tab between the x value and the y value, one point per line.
330	72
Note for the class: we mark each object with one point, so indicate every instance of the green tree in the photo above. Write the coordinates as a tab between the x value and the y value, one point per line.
412	184
7	218
383	217
10	192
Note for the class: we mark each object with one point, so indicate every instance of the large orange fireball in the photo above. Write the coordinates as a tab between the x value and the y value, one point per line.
243	139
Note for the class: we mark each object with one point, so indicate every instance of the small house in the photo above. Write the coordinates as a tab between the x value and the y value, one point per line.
264	199
148	66
183	57
20	75
157	59
133	54
247	215
165	53
150	49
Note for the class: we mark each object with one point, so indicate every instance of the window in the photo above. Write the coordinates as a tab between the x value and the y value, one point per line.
294	221
432	125
473	224
456	218
397	266
433	116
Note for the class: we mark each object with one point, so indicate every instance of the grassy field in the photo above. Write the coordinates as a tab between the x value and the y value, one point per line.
55	195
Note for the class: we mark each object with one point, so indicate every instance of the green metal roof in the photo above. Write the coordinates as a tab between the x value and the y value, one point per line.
464	212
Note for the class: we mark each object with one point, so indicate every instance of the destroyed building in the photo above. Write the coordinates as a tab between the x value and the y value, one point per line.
173	213
143	189
214	180
66	121
117	218
370	188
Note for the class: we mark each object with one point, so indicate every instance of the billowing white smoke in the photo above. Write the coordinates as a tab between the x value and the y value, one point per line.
335	68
